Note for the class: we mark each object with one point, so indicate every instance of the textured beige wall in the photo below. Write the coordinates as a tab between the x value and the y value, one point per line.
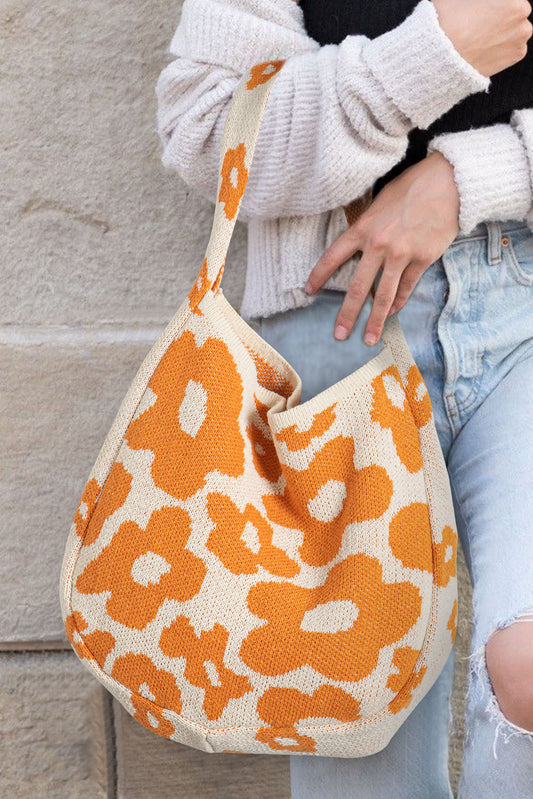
99	244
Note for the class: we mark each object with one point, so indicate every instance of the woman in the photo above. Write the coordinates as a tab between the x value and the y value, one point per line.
452	237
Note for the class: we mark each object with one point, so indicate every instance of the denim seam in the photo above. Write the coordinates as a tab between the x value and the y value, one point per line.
522	277
468	404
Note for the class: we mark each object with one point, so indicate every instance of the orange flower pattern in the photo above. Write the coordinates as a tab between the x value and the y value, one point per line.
94	646
269	377
418	396
152	690
229	193
141	568
391	411
309	504
86	506
410	536
374	614
283	708
113	496
238	554
199	288
205	663
264	453
261	73
446	557
407	680
296	440
199	399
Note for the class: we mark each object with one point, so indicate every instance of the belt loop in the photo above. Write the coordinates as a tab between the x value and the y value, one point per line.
494	242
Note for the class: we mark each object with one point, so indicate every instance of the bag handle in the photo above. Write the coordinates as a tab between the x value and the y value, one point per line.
239	138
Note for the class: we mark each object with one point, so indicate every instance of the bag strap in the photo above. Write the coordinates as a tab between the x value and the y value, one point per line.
239	138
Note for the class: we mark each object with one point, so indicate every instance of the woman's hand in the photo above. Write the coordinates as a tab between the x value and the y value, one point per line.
409	225
492	35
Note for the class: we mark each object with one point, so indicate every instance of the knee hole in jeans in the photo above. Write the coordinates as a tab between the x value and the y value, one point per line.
493	672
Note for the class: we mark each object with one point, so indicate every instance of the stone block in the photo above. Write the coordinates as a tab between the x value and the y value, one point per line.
151	766
58	402
57	738
94	228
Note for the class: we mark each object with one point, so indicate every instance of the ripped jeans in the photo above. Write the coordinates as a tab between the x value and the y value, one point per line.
469	326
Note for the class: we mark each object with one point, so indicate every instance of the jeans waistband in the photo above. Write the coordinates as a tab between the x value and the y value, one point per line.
484	229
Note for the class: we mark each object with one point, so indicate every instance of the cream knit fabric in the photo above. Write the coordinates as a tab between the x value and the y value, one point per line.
337	118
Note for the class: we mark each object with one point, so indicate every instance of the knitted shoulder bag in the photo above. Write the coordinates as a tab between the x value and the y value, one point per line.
249	573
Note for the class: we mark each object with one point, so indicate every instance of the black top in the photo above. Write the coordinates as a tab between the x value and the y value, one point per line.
330	21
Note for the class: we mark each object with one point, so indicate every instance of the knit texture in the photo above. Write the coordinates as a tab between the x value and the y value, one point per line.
489	158
330	21
338	118
246	572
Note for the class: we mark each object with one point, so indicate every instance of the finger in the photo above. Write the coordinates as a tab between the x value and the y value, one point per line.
410	277
385	294
357	293
336	254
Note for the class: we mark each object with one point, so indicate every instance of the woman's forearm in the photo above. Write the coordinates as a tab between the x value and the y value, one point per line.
337	117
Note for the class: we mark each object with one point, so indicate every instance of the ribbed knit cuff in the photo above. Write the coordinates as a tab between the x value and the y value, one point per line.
420	69
521	122
491	172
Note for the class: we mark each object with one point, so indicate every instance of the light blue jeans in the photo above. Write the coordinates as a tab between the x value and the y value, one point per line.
469	326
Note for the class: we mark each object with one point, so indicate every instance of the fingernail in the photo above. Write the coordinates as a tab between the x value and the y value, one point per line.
308	288
370	338
392	309
340	332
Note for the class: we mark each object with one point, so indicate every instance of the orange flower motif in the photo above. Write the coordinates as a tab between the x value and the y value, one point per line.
243	540
93	647
261	73
141	568
264	453
405	682
86	506
114	494
297	440
229	193
446	557
286	739
410	536
452	621
418	396
201	285
337	629
269	378
199	288
205	663
327	496
153	690
193	426
283	708
392	412
216	282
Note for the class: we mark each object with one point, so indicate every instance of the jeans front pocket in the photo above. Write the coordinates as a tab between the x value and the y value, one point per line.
520	250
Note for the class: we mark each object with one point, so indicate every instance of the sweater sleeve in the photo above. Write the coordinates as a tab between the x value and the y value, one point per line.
337	116
493	169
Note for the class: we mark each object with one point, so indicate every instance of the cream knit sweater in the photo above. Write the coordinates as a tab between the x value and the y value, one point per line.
337	118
